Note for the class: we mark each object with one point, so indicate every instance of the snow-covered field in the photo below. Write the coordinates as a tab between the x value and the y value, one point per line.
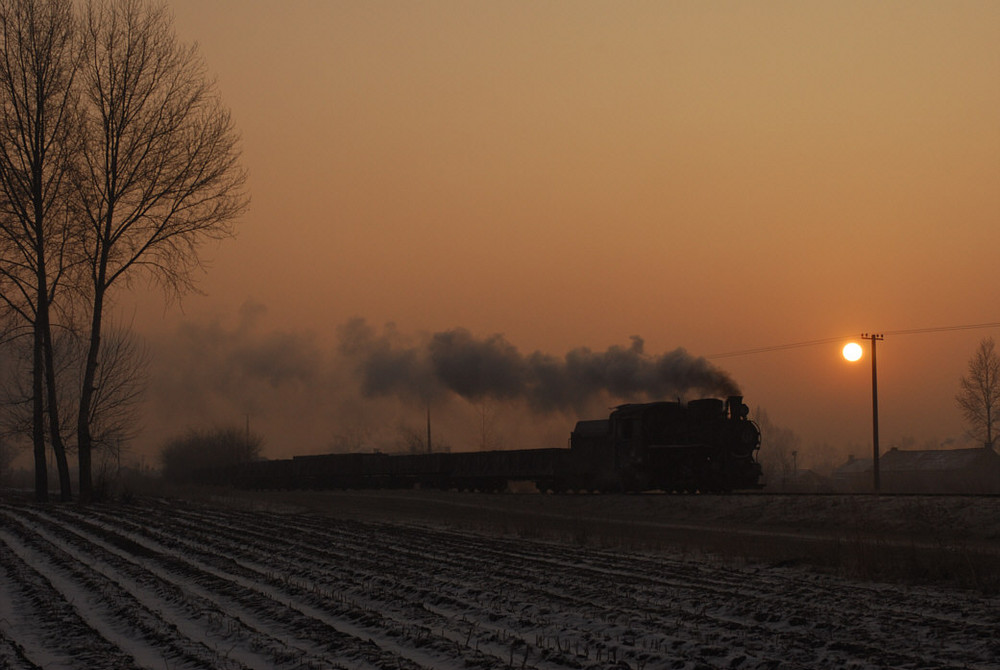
159	584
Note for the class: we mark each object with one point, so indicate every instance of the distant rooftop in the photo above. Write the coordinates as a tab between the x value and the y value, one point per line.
899	460
922	460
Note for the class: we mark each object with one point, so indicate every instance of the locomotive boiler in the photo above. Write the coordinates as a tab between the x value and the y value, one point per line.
706	445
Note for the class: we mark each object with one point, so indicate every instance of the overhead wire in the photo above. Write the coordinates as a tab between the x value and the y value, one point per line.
778	347
829	340
918	331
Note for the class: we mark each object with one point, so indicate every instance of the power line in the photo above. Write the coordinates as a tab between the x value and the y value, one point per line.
778	347
829	340
918	331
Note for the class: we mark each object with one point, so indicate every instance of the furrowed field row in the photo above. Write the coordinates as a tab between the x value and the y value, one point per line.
678	584
730	615
266	600
193	586
250	618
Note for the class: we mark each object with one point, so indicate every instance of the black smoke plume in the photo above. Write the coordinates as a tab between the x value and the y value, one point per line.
456	362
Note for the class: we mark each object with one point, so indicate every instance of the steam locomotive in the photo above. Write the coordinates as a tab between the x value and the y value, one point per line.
706	445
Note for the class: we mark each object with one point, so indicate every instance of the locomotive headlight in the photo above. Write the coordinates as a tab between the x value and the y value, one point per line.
852	351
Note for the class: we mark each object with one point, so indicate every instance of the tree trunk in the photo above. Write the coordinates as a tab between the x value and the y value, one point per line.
989	425
44	379
55	434
43	327
38	419
83	437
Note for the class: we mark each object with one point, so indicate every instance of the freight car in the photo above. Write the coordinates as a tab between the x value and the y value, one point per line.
706	445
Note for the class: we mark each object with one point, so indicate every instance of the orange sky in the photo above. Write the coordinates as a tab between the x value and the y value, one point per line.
717	176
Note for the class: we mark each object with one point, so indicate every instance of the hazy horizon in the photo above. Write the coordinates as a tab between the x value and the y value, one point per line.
705	176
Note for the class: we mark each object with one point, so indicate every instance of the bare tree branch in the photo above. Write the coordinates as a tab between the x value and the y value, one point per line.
979	397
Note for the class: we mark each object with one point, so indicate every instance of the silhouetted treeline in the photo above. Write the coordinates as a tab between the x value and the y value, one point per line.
185	459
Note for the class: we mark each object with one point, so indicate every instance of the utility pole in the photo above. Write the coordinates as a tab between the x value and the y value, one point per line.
429	450
874	337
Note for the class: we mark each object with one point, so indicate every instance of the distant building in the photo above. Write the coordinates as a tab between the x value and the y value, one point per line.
954	471
854	476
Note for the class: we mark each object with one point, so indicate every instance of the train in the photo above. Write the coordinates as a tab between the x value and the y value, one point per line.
708	445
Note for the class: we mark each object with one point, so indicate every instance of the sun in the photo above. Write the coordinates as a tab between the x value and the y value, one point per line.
852	351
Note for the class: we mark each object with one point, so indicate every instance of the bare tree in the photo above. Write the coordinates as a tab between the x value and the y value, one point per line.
38	144
979	397
8	452
16	402
487	424
189	458
351	439
120	382
160	171
778	459
411	440
11	418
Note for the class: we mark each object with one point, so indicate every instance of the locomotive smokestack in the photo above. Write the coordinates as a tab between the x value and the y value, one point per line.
737	410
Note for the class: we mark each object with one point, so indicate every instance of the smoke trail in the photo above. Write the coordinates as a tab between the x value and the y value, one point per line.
456	362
